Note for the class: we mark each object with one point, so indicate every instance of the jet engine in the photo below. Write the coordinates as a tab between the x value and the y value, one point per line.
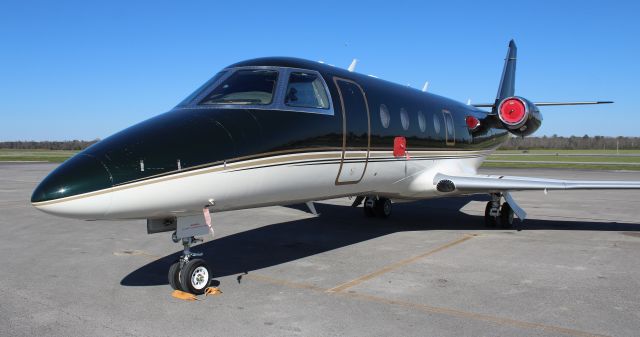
518	115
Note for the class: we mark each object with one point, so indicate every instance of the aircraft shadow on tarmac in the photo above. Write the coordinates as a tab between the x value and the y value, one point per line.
337	227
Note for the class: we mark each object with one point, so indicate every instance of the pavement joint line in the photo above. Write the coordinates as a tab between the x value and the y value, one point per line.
289	284
397	265
428	308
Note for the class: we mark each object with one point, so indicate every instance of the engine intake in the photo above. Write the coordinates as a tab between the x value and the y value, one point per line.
519	116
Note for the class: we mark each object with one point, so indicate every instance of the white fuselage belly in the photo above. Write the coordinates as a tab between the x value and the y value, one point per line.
269	181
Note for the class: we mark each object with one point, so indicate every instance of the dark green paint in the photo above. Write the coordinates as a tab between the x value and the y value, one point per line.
198	136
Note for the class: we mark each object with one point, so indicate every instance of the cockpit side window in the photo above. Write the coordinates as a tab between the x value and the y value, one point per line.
306	90
245	86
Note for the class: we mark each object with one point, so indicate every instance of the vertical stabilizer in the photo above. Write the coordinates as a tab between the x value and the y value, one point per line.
507	86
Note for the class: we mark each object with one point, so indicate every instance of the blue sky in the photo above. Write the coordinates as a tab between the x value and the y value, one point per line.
86	69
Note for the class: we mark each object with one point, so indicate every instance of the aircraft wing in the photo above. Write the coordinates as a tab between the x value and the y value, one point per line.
496	183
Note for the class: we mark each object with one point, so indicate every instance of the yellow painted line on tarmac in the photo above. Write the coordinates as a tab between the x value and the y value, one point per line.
427	308
135	252
470	315
397	265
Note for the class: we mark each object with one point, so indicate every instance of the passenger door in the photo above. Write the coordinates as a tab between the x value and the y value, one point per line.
356	129
449	128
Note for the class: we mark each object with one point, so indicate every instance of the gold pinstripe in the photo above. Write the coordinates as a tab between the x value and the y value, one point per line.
256	163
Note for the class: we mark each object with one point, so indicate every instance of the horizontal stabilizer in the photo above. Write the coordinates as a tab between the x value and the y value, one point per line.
490	105
571	103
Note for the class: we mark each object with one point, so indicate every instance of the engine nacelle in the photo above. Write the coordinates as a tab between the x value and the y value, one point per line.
519	116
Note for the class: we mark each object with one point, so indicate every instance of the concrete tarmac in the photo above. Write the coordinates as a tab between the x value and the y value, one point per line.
432	269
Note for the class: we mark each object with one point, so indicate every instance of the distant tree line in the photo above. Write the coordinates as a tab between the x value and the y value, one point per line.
515	143
48	145
572	143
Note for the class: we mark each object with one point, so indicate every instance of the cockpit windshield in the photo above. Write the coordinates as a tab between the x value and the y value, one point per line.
202	88
245	86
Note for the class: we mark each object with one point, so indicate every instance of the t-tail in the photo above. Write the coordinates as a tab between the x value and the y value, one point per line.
517	114
507	86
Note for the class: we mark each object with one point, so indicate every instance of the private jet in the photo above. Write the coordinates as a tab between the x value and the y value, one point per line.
279	131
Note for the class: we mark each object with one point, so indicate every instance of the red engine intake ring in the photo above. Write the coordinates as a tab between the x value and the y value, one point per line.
513	111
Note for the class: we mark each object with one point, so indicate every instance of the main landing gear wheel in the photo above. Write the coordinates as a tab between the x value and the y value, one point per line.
369	204
174	276
489	220
382	208
495	214
195	276
506	216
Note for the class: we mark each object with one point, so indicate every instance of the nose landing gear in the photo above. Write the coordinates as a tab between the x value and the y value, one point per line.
187	274
191	273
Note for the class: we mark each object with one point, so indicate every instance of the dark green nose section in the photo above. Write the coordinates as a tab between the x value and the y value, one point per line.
80	174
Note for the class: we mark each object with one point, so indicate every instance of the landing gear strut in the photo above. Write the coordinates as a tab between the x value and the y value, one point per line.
377	206
187	274
495	214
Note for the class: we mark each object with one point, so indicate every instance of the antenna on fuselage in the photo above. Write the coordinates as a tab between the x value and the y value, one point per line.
469	101
353	64
425	87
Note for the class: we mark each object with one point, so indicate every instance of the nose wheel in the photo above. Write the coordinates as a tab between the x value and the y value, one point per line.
195	276
190	274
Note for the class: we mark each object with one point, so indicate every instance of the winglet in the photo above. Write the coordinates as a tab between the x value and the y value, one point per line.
507	86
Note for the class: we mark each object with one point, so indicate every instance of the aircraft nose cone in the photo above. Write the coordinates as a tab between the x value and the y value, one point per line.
80	174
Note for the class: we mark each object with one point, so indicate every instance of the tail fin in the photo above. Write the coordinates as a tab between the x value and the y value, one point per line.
507	86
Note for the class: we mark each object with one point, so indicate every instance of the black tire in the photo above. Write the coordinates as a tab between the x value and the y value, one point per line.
174	276
506	216
382	208
489	221
195	276
368	211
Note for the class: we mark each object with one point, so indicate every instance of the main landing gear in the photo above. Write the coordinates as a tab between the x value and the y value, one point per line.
189	274
377	206
496	214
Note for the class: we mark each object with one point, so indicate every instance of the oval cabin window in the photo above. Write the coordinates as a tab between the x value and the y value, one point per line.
422	122
385	117
436	124
404	118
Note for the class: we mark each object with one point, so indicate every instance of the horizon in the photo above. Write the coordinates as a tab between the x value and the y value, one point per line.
78	70
99	139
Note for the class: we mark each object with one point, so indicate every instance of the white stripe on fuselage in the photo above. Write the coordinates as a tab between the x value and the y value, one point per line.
275	180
